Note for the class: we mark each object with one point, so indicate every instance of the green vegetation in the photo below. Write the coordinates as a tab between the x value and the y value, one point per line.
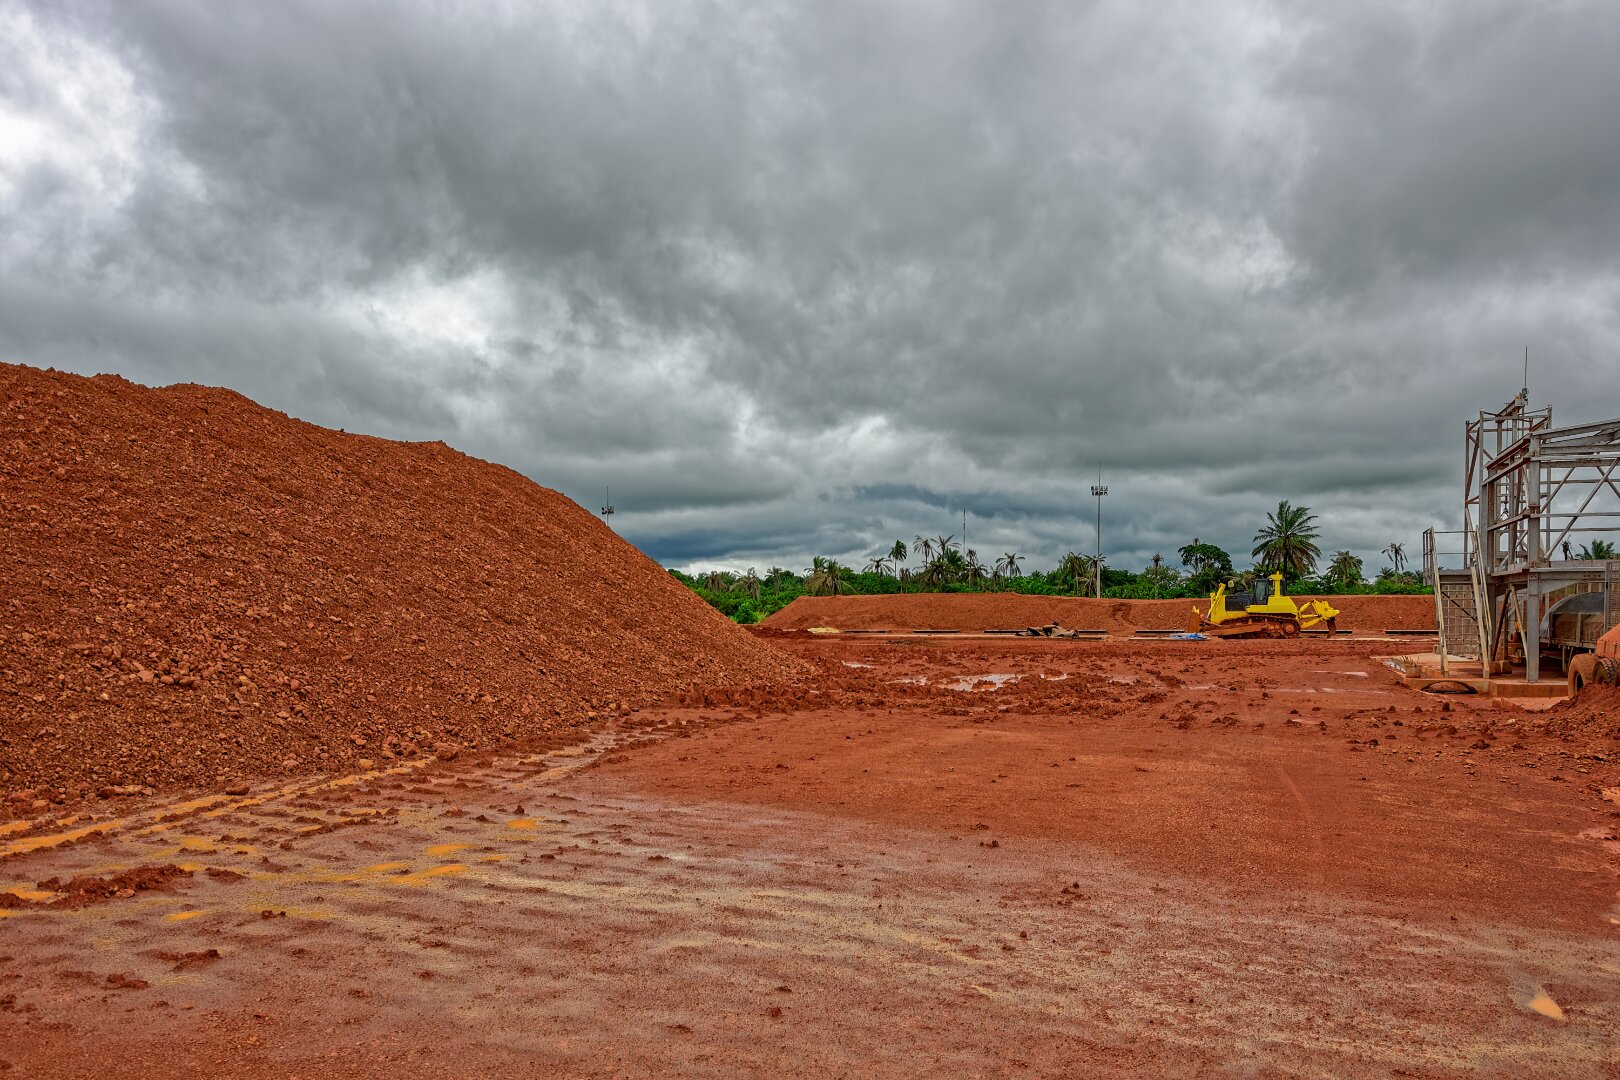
827	578
1345	570
1209	565
1287	541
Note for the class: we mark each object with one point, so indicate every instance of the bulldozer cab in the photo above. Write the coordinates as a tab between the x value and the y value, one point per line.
1254	596
1269	597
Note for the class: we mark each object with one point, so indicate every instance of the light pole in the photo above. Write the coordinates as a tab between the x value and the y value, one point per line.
1099	490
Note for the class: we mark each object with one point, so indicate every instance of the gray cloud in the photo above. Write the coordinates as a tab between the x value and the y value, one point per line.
807	278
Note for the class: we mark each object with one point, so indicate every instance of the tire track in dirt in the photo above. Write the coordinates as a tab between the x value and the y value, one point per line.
1308	818
560	912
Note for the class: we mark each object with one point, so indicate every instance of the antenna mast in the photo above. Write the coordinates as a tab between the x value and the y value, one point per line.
1098	490
607	506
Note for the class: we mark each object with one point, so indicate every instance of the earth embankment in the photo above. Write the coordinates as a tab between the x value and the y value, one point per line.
971	612
198	588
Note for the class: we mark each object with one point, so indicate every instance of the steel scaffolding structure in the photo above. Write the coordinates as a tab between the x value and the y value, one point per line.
1530	493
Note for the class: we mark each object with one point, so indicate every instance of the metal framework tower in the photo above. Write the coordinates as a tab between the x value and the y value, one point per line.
1530	493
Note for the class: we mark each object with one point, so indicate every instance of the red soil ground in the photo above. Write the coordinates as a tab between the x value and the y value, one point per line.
816	855
199	589
937	857
973	612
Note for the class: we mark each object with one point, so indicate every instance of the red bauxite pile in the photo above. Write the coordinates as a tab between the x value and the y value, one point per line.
197	589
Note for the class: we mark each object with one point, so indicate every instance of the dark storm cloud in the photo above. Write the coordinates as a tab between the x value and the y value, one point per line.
799	279
1483	144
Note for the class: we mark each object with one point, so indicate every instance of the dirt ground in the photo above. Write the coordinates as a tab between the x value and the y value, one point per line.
975	612
947	857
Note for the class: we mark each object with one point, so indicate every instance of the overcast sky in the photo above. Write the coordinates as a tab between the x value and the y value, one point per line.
804	278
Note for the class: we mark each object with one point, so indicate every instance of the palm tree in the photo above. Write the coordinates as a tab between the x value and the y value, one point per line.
1157	572
776	575
947	565
944	543
897	554
1345	569
1597	549
825	577
1167	578
1397	555
1078	570
1287	541
718	581
879	565
749	584
973	570
1007	565
924	547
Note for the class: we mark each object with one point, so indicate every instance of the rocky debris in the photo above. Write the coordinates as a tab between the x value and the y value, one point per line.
1051	630
198	587
1592	715
84	891
184	960
116	791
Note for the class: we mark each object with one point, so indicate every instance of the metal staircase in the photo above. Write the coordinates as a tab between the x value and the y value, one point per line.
1459	599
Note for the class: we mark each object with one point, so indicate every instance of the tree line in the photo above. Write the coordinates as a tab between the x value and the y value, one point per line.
1287	542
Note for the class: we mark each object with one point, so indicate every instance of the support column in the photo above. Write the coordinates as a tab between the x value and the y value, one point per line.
1532	504
1532	631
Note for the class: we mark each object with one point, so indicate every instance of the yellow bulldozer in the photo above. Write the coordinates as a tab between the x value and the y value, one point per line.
1265	612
